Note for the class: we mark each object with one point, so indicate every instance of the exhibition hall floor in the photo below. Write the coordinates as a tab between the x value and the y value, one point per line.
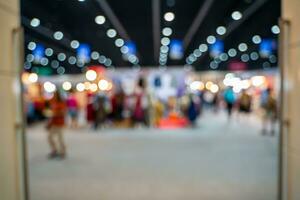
216	161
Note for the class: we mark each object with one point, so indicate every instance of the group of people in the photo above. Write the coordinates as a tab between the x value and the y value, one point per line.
244	103
141	108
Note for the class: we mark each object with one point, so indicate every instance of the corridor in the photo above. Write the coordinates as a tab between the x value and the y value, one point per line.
218	160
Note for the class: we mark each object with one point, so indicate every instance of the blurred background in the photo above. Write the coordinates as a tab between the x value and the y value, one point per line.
157	99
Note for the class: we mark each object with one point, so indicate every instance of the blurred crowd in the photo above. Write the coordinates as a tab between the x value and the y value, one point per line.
142	108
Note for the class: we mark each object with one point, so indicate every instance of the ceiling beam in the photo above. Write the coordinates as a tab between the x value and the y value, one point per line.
234	25
246	15
113	19
47	33
203	11
156	27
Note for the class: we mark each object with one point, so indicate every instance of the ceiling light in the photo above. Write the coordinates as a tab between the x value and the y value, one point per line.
27	65
272	59
245	58
124	49
192	58
61	57
169	16
275	29
165	41
54	64
254	56
108	62
111	33
223	57
256	39
30	58
266	65
31	46
213	65
74	44
49	52
236	15
102	59
221	30
100	19
167	31
211	39
232	52
164	49
203	47
35	22
243	47
197	53
58	35
119	42
44	61
95	55
72	60
61	70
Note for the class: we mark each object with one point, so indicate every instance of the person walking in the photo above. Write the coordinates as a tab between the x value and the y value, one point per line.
55	127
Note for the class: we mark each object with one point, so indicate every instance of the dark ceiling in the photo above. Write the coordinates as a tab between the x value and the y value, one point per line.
77	22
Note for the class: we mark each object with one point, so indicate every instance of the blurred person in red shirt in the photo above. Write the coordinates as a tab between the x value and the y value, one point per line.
55	127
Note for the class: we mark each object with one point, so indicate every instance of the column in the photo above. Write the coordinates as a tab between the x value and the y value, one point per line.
10	168
291	12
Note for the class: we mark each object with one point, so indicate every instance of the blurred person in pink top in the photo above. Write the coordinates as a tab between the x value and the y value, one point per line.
72	106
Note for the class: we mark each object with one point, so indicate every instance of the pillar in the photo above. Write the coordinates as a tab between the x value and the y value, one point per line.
291	106
11	170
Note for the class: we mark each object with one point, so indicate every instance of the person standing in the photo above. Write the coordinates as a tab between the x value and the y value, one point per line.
141	108
269	105
55	127
229	99
100	108
192	112
73	109
245	103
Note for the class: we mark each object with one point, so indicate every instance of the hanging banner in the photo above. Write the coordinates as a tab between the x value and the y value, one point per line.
38	53
266	48
176	50
84	53
217	48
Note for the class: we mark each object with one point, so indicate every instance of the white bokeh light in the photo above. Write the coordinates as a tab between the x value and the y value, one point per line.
58	35
169	16
111	33
91	75
100	19
167	31
236	15
35	22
